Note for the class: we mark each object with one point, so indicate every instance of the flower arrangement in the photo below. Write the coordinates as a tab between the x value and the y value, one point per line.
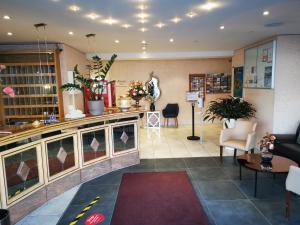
7	90
267	142
137	90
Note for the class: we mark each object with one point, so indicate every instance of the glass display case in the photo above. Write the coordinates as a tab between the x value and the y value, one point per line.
23	171
259	66
124	138
61	155
94	144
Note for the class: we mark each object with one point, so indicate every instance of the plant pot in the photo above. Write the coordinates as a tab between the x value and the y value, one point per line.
96	107
137	101
228	123
152	107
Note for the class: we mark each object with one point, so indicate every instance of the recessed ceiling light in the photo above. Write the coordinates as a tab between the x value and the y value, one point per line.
142	15
191	14
9	33
171	40
74	8
209	6
266	13
176	19
92	16
160	25
143	21
71	33
144	42
142	7
6	17
222	27
117	41
143	29
126	25
110	21
144	48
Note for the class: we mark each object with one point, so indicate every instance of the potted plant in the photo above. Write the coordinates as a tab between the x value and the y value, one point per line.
92	88
229	109
137	91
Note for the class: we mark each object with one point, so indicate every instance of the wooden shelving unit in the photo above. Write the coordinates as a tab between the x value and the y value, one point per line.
35	78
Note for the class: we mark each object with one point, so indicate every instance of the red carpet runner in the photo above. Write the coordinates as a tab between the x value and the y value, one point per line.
164	198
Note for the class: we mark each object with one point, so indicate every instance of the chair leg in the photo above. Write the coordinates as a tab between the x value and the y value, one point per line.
246	152
287	204
167	122
164	122
176	122
234	153
221	152
252	151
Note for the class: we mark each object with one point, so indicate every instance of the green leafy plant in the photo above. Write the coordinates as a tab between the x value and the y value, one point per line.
229	108
92	87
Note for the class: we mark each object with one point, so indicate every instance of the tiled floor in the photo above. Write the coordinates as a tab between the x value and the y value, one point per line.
173	143
226	199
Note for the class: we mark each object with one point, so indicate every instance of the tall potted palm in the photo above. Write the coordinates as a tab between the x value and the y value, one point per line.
92	88
229	110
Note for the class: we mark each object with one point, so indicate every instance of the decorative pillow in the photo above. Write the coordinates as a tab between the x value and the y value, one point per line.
298	139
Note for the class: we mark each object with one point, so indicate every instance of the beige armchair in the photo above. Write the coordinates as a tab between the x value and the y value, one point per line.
292	185
241	137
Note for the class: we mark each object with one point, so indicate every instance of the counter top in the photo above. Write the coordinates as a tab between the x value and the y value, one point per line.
18	132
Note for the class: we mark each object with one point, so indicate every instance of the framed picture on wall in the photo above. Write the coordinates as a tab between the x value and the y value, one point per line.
238	82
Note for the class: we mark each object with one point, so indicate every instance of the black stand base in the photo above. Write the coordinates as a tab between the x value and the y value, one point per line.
193	138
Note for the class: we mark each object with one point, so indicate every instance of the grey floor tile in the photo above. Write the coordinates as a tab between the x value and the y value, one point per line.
200	162
45	220
169	163
236	212
207	173
220	190
274	211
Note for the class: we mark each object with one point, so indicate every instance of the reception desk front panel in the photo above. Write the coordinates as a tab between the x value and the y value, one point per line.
44	164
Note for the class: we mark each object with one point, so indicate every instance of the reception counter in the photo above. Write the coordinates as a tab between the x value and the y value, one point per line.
38	164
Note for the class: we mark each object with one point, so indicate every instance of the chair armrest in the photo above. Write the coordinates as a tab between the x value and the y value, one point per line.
251	141
226	134
285	138
293	180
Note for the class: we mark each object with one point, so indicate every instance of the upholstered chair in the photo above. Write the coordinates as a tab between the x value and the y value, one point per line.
171	111
292	185
241	137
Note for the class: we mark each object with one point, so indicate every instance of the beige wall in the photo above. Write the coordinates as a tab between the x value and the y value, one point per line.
278	109
173	76
69	57
287	84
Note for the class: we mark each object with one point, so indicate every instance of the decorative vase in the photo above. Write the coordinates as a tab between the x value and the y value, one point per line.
137	101
266	154
228	123
152	107
124	103
96	107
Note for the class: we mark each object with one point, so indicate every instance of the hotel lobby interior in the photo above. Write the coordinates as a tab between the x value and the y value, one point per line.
148	112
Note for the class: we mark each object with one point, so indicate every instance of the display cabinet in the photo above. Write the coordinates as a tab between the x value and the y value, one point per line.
35	79
197	83
218	83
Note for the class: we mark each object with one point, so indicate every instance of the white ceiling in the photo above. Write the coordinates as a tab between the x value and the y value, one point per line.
243	21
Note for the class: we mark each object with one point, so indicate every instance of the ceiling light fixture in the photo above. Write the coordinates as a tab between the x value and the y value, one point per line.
74	8
266	13
144	42
117	41
143	21
126	25
9	33
143	29
160	25
142	7
71	33
110	21
6	17
222	27
191	14
176	19
209	6
171	40
92	16
142	15
144	48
